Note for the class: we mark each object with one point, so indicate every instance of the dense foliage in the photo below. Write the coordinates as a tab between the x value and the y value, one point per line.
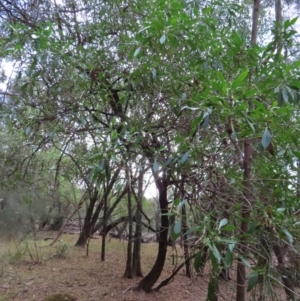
201	94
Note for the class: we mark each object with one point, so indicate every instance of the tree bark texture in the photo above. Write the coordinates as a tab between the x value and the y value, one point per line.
136	259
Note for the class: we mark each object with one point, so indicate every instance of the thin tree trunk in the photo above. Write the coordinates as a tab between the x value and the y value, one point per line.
149	280
104	234
278	28
286	279
241	269
128	270
136	260
185	242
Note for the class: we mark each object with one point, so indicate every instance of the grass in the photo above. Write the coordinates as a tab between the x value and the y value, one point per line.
65	269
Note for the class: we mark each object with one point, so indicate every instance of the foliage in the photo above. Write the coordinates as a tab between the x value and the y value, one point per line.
177	87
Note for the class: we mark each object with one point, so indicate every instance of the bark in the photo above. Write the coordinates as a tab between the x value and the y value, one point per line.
149	280
87	225
109	211
91	217
241	269
128	270
185	242
171	222
136	260
286	279
104	226
278	29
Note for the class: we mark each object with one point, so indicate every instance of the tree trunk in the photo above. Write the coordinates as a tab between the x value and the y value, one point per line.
278	28
185	242
90	217
149	280
136	259
241	269
87	225
128	270
104	234
286	279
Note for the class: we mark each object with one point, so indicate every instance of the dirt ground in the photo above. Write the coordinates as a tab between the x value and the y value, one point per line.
31	271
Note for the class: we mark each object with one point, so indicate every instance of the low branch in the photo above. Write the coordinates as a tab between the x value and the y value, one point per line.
171	277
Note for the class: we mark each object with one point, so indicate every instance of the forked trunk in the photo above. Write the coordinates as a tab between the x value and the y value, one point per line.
86	230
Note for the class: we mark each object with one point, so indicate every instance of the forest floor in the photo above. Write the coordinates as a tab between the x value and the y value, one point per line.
32	270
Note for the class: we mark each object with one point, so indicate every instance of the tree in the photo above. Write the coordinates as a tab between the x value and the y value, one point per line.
194	91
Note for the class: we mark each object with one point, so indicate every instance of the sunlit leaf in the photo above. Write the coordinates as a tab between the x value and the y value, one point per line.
177	227
137	51
266	139
223	222
184	157
288	235
155	166
162	39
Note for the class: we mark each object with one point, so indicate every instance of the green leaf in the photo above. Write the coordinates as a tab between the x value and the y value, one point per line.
236	83
223	222
252	229
285	95
153	72
162	39
177	227
226	240
190	108
198	261
228	259
137	51
252	280
280	210
184	157
251	125
215	252
280	99
244	261
288	235
182	203
176	201
155	166
231	247
233	136
228	228
27	130
266	138
212	289
206	121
